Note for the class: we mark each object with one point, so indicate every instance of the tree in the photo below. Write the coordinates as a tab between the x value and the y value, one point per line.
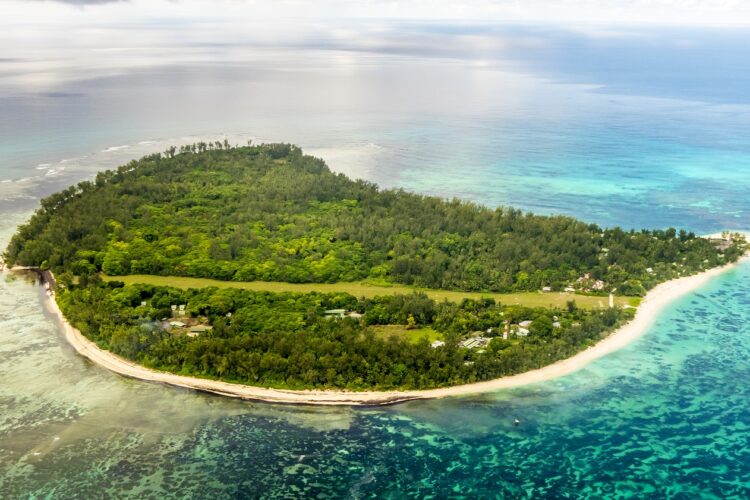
541	326
411	323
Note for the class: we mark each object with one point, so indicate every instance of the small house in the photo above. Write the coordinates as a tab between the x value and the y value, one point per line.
198	329
721	243
342	313
437	343
475	342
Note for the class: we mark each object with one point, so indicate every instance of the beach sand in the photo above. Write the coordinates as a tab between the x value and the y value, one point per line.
658	298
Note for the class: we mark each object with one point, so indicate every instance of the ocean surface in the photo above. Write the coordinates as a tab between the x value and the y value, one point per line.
639	129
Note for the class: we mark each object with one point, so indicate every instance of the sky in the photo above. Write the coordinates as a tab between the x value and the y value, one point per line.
46	43
561	12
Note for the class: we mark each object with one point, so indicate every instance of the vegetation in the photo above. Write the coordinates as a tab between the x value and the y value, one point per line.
286	340
270	213
320	275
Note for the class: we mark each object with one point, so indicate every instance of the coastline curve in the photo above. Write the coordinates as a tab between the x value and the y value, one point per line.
655	301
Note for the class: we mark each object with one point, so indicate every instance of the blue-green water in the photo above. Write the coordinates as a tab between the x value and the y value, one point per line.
666	417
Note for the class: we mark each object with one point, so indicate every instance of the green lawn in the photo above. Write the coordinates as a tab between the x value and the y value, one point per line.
361	289
413	336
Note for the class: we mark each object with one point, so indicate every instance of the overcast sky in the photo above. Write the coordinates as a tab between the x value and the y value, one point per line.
681	12
44	42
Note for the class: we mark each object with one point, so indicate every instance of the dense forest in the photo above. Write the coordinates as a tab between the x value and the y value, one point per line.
271	213
286	340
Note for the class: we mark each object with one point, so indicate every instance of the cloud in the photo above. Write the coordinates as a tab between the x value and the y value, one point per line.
559	12
84	2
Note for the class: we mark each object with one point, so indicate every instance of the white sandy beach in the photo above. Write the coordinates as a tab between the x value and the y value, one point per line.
651	306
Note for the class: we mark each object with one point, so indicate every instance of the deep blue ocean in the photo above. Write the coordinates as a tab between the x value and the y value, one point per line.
638	128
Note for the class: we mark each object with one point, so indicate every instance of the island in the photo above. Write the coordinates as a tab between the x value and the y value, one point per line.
257	272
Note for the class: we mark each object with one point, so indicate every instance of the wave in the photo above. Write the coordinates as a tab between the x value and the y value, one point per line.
115	148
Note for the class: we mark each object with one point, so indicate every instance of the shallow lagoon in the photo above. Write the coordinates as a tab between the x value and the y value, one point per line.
667	413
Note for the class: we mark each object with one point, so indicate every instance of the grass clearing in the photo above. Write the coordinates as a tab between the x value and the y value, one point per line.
363	289
413	336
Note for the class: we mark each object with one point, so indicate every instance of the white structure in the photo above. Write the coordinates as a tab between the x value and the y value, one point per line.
336	313
475	342
198	329
437	343
342	313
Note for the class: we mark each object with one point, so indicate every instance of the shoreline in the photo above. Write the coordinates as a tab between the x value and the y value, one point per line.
653	303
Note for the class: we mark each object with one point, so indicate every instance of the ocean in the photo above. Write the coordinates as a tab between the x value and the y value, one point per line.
643	128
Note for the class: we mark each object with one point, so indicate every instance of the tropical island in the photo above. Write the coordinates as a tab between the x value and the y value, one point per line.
259	266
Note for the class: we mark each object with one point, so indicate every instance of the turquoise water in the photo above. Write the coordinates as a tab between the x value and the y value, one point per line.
666	417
